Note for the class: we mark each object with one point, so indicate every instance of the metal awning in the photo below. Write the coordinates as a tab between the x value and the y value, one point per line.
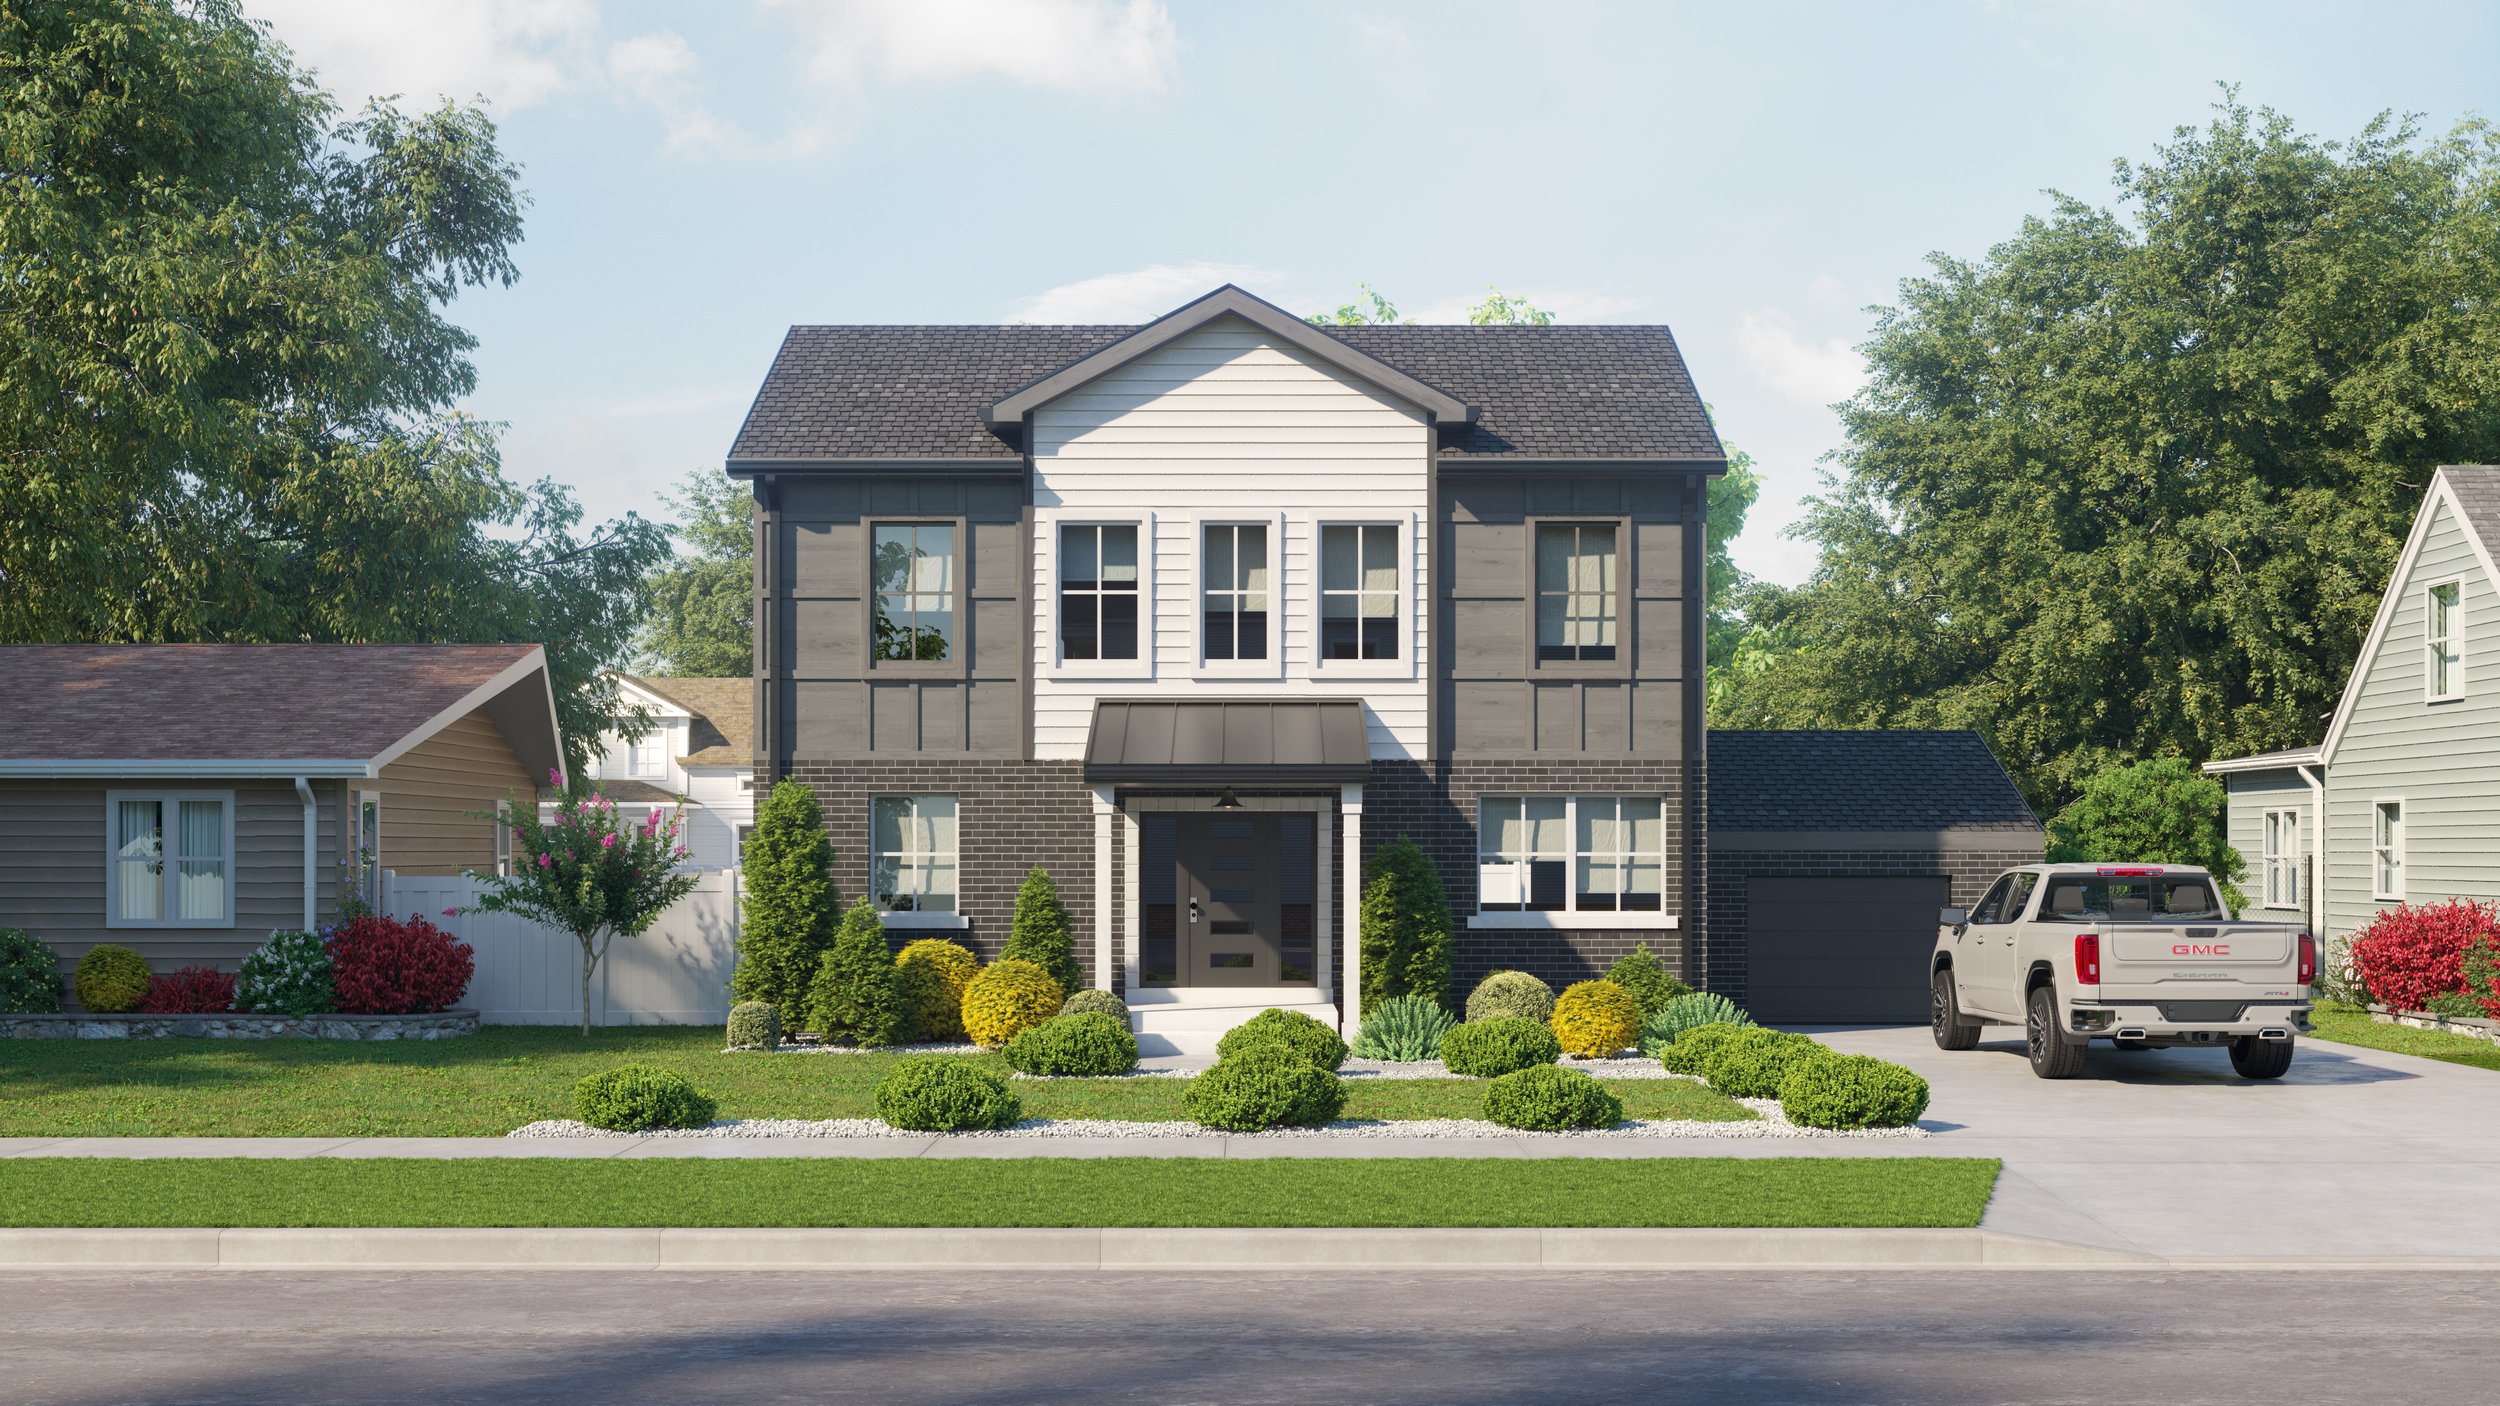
1227	742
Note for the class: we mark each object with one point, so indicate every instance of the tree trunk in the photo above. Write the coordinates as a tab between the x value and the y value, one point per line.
593	948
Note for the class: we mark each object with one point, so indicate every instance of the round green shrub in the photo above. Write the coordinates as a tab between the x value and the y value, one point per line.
290	974
1263	1087
1691	1052
1097	1001
1690	1011
635	1098
30	977
930	976
1834	1090
1488	1049
1290	1031
111	979
1641	973
934	1094
1546	1099
754	1025
1506	994
1749	1063
1403	1028
1087	1043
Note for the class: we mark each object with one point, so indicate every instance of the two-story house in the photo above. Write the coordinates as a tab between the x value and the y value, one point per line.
2400	802
698	754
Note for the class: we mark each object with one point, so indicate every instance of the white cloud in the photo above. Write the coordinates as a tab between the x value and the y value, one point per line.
1808	371
1827	288
1072	45
515	53
1134	296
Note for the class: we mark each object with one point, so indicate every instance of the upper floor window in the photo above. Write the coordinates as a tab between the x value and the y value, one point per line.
645	756
1358	591
2443	641
1577	591
1098	591
912	853
1571	854
1234	593
2280	839
172	858
914	580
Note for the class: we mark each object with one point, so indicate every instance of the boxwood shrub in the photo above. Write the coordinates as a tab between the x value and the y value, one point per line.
1750	1063
1088	1042
1488	1049
1098	1001
1263	1087
30	977
636	1098
1641	973
1547	1099
111	979
935	1094
1292	1032
1509	993
930	976
754	1025
1834	1090
1691	1052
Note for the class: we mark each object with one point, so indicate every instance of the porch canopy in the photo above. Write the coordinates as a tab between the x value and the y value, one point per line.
1227	742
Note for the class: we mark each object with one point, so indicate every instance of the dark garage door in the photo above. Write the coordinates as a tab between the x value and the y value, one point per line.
1840	951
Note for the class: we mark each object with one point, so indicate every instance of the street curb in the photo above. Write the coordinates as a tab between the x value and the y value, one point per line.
1197	1250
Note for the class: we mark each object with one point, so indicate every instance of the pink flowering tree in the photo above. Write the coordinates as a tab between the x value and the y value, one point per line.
591	871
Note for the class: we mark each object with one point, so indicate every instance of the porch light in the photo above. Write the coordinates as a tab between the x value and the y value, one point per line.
1228	801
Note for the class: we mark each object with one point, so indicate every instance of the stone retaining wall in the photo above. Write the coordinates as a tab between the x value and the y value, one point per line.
233	1026
2472	1027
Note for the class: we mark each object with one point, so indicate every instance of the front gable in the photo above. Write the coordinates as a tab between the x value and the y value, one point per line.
2392	686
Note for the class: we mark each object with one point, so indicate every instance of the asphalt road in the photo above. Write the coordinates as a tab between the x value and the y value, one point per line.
1241	1339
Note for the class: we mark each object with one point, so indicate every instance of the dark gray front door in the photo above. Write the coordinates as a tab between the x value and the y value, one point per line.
1231	900
1840	951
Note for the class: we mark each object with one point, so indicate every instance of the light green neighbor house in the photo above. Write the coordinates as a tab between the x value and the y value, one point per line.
2401	802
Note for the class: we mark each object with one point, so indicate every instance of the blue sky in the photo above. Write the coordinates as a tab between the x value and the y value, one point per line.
1755	175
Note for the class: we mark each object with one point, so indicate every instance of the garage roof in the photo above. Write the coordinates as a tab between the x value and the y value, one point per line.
1869	780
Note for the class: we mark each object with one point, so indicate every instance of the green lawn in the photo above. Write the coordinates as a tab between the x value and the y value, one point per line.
489	1083
2352	1025
1037	1191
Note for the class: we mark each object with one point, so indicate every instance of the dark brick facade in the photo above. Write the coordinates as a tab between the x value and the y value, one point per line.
1968	873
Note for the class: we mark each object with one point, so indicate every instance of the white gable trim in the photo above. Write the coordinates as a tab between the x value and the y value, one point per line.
657	704
2441	494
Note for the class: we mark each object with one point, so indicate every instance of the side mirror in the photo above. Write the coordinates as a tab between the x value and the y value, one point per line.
1952	917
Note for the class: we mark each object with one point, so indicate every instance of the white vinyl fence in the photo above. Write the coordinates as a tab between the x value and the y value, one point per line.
529	974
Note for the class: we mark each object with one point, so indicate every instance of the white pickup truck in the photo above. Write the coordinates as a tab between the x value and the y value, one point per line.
2141	955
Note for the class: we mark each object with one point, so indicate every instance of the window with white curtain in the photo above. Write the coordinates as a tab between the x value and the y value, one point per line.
1358	590
2443	641
912	853
1232	563
1578	591
2281	840
172	861
2387	849
1571	854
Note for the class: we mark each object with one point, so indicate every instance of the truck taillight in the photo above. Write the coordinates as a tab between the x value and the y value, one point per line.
2308	960
2088	958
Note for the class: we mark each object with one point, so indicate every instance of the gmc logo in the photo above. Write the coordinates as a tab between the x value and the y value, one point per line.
2200	949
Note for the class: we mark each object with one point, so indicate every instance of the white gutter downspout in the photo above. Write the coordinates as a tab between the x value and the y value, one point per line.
312	846
2317	854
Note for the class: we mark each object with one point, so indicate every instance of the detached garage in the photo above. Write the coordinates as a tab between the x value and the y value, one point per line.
1830	853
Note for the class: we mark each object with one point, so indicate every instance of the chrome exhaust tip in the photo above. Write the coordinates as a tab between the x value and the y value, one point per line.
2130	1034
2274	1034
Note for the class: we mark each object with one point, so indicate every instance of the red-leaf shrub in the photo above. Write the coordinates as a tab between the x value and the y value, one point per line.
190	991
398	966
2410	953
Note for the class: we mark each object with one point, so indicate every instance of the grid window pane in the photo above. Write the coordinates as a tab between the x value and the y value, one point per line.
912	853
1234	594
1576	584
2443	650
1358	591
914	575
138	857
1098	586
1612	850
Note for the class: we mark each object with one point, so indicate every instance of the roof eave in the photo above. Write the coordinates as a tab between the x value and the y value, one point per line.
181	768
2267	761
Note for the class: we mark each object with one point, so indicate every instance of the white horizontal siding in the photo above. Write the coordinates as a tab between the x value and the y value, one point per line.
1227	423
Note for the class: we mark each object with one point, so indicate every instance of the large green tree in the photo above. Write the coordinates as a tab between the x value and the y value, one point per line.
2131	484
702	617
227	378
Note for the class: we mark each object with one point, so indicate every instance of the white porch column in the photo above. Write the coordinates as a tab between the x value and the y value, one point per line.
1351	899
1102	887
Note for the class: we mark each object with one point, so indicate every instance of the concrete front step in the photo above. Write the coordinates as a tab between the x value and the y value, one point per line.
1189	1021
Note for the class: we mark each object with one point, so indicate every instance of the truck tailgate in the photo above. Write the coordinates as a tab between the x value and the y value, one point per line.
2219	962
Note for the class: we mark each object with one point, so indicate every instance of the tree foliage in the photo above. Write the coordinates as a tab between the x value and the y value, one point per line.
854	995
701	621
2162	811
1405	926
788	917
226	373
1041	933
2131	484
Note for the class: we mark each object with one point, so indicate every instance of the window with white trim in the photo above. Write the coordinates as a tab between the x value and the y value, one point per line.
1098	591
2443	641
1232	562
1570	854
503	837
2281	851
1358	590
1577	591
647	756
912	853
172	859
2387	849
369	847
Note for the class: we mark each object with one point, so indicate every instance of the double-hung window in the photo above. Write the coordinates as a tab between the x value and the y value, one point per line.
914	578
1098	591
1234	591
1570	854
2281	840
1578	591
912	853
1358	591
172	859
2387	849
2443	641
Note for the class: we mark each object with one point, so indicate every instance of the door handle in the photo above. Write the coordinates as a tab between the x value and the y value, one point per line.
1194	914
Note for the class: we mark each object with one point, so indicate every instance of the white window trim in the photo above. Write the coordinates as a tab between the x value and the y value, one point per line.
1279	602
366	887
171	819
1569	918
917	918
1046	555
2395	846
2456	640
1402	667
2271	855
1556	922
502	849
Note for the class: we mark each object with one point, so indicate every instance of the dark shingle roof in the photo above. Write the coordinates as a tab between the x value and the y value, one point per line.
1858	781
2477	487
1595	392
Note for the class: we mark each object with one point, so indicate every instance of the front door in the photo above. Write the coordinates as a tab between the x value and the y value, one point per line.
1231	892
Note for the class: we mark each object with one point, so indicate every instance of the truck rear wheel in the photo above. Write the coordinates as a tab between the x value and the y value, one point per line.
1944	1016
2261	1059
2051	1056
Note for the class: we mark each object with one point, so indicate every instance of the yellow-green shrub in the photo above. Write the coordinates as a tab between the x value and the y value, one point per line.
1594	1019
1007	998
111	979
932	974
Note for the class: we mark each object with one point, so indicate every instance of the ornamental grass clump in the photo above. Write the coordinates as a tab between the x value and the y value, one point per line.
854	996
755	1025
1071	1046
1007	998
1689	1012
934	1094
291	974
111	979
1750	1063
1488	1049
930	976
1263	1087
1403	1028
1292	1032
1834	1090
636	1098
1546	1099
30	976
1641	973
1692	1051
1505	994
1596	1020
1096	1002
